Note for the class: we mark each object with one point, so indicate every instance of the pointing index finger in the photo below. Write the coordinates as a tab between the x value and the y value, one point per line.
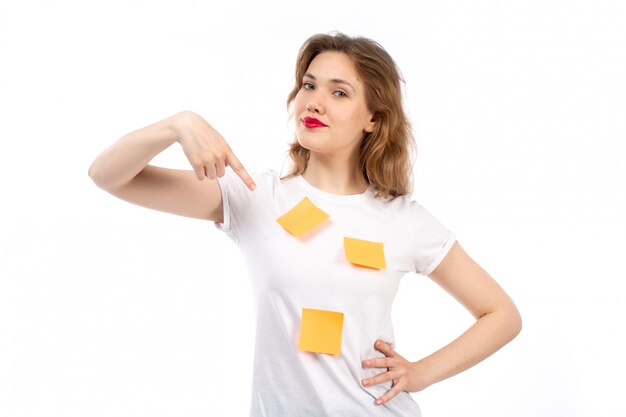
237	166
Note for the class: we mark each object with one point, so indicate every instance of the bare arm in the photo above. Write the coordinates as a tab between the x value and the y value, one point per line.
497	323
122	169
497	318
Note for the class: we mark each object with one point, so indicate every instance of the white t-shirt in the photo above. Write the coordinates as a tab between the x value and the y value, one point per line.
289	273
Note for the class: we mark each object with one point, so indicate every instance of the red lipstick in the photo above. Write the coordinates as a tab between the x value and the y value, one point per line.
312	122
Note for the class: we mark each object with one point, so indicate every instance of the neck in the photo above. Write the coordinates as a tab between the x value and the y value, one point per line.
335	175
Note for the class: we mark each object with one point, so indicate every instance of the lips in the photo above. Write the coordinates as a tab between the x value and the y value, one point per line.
312	122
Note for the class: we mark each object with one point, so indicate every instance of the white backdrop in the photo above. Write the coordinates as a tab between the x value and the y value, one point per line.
111	309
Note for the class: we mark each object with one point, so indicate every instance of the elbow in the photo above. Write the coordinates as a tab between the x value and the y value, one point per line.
96	177
91	172
509	320
514	321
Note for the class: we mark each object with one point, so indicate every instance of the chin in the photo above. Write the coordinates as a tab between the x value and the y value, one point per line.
308	143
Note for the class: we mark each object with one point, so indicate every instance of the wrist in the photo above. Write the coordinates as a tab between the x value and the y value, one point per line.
178	123
422	379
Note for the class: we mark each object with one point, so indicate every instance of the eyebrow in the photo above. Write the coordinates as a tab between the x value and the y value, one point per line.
333	80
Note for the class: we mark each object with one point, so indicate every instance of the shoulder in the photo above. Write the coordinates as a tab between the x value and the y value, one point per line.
407	212
265	178
262	179
265	175
400	205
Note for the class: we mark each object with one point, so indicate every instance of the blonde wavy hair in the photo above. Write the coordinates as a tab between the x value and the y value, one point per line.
385	153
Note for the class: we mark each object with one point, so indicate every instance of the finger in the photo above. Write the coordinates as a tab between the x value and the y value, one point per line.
378	379
395	390
220	167
199	170
237	166
384	347
379	363
210	170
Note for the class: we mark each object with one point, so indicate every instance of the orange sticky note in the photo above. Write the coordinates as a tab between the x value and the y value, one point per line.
365	253
320	331
302	218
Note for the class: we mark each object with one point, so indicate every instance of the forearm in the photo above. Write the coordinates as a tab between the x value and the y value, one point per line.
483	338
125	158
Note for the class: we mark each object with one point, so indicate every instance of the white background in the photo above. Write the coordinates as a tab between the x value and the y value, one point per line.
110	309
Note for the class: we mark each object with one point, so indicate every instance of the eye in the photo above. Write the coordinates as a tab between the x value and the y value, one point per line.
307	86
340	93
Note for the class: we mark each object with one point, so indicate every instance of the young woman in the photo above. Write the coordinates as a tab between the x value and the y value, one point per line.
351	160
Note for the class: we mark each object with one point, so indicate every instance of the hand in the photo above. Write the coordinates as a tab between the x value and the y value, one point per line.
403	374
207	151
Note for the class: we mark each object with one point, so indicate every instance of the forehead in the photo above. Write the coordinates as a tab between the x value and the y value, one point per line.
334	65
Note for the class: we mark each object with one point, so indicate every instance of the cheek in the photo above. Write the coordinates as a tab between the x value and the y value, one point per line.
298	103
355	122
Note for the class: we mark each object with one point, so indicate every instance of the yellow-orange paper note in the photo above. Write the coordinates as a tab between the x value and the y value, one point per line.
365	253
320	331
302	218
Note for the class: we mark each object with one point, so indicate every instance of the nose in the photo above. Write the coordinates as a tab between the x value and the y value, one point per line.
312	108
315	104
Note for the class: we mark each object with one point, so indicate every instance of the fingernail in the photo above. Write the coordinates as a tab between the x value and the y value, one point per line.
379	401
253	186
365	382
368	363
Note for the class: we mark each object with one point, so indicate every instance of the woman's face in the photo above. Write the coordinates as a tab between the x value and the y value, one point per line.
330	111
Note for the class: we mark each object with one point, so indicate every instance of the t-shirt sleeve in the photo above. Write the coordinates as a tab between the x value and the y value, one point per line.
237	200
432	240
